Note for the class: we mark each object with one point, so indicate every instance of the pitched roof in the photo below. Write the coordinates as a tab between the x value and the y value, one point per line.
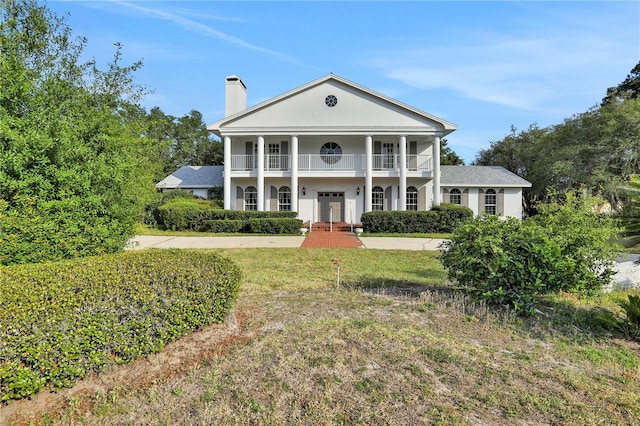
193	177
217	126
480	176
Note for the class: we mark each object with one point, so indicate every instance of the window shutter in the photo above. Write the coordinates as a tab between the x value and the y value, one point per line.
388	196
377	147
284	151
239	199
248	150
422	198
413	148
445	195
274	199
501	202
465	198
480	201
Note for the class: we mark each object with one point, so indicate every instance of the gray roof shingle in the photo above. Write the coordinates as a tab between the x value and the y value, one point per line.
193	177
480	176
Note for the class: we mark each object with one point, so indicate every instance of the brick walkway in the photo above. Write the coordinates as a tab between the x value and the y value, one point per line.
320	237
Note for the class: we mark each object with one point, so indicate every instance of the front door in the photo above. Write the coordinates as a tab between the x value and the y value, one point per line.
331	206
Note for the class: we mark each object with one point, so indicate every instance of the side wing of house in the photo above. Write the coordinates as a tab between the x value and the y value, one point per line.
196	179
484	189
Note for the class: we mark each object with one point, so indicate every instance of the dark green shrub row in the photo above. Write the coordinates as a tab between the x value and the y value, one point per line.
274	226
439	219
181	214
62	321
277	225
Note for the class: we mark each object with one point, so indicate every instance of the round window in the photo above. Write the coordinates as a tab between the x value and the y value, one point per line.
331	153
331	101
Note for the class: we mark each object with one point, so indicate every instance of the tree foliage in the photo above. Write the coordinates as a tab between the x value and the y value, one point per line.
181	141
512	263
596	150
73	167
448	157
631	213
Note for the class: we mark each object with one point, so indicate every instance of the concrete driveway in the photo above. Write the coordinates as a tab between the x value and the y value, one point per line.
141	242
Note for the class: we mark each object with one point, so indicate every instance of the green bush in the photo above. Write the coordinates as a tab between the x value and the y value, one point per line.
440	219
511	262
181	214
62	321
274	226
224	226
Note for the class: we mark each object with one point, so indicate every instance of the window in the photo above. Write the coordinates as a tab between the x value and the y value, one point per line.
251	198
490	201
412	198
377	198
284	199
455	197
387	156
331	152
274	156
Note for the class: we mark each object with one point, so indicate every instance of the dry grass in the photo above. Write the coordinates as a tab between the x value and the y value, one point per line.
391	345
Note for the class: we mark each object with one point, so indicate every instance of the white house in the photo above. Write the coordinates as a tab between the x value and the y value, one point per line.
332	150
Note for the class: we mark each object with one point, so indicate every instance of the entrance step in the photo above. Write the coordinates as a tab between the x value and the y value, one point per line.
337	227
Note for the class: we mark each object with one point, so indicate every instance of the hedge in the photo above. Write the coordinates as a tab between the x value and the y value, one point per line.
182	214
62	321
440	219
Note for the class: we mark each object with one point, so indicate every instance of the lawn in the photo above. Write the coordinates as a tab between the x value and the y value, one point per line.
390	343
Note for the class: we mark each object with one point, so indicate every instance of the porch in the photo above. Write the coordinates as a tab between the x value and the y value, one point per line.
330	163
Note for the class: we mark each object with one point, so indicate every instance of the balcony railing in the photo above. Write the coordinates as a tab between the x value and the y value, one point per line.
331	162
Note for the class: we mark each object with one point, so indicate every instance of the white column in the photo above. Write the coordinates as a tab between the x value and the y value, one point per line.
294	173
368	174
402	196
227	173
436	171
260	180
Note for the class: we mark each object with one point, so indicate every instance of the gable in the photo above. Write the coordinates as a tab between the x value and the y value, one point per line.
305	111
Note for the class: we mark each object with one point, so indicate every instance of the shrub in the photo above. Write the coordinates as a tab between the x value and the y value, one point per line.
181	214
274	226
62	321
224	226
512	262
439	219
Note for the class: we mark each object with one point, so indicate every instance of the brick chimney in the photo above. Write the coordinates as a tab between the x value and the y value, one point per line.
235	96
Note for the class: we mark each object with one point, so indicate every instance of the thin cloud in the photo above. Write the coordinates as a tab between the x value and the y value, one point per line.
527	72
206	30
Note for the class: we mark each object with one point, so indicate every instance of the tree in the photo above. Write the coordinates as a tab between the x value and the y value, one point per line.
181	141
628	89
631	212
447	156
73	166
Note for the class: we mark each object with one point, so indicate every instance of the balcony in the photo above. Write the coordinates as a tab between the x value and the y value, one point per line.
331	162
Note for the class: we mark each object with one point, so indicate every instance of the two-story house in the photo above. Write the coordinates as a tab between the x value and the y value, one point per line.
330	150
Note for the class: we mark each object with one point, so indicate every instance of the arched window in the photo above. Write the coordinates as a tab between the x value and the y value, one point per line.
251	198
455	196
490	201
377	198
412	198
284	199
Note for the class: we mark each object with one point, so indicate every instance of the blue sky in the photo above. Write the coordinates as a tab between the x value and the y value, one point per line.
484	66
